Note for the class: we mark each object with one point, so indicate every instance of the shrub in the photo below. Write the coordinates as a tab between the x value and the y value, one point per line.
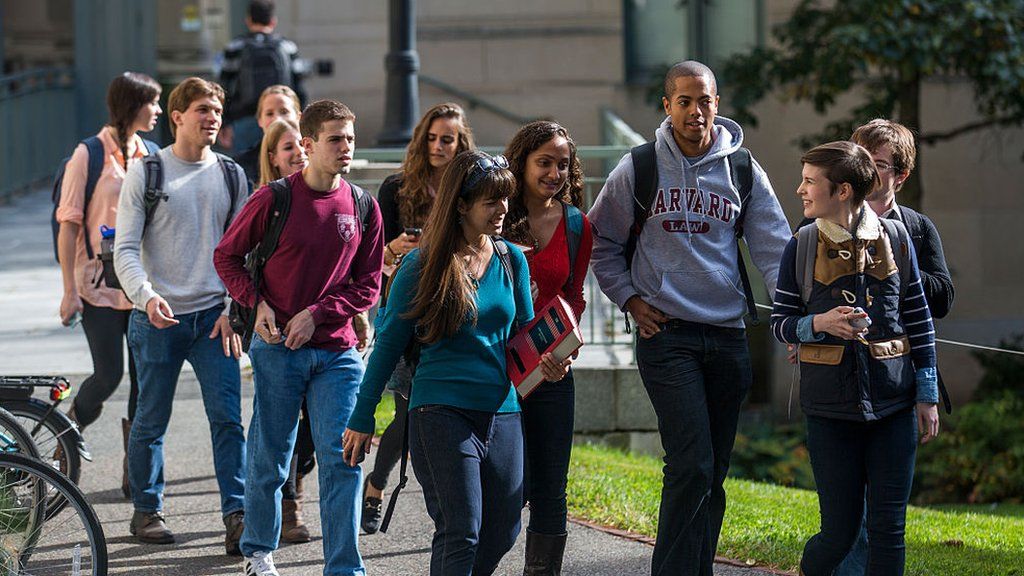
772	453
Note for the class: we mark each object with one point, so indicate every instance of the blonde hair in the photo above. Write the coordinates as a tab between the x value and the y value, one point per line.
271	138
282	90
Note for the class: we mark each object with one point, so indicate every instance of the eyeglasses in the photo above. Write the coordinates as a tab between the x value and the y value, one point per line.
885	167
483	167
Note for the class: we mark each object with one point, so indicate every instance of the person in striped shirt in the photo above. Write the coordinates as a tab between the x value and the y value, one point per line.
867	359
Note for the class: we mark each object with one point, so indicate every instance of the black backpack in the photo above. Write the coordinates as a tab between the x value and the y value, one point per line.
243	318
411	356
264	63
154	194
645	186
94	146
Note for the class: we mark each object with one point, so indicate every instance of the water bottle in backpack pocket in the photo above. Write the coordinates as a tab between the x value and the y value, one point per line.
107	257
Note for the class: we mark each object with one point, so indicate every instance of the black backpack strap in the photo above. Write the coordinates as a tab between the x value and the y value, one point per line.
501	251
645	186
94	146
154	186
742	174
230	170
403	476
282	190
364	205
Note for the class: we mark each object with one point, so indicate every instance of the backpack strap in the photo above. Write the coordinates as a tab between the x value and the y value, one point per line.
741	173
899	241
645	185
154	186
363	203
501	250
573	236
230	168
806	253
151	147
97	155
282	191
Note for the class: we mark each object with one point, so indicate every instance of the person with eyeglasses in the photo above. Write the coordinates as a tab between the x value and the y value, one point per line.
460	298
405	200
545	216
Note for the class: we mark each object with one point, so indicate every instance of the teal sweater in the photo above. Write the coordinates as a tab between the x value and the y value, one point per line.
465	371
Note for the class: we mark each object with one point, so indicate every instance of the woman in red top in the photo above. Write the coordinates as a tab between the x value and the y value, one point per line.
544	216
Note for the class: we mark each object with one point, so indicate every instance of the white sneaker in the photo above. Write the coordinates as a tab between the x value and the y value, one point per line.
260	564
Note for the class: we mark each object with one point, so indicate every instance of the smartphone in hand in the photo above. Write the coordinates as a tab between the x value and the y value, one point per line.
414	232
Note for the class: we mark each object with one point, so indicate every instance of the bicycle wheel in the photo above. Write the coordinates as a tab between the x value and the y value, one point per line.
71	543
57	446
14	438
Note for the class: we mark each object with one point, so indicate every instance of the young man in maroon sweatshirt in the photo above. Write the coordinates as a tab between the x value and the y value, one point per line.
325	270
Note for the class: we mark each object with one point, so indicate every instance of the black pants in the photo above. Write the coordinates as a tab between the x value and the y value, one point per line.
696	376
548	416
105	330
390	450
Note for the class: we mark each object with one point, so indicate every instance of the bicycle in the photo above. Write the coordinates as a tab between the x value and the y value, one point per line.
59	442
32	541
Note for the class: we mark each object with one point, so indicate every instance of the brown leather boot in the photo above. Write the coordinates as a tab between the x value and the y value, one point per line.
293	529
544	554
126	488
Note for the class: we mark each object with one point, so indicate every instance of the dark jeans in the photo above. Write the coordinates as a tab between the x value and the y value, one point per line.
548	416
390	450
106	330
470	466
856	562
851	458
696	376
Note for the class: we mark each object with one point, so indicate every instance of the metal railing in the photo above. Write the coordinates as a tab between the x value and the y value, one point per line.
602	324
36	125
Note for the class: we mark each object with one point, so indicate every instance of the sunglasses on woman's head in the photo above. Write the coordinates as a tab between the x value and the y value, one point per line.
481	168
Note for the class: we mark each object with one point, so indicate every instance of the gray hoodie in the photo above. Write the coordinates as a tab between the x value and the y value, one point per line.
685	261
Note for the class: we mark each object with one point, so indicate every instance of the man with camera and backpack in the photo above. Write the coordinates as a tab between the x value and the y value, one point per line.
174	207
251	63
666	227
315	248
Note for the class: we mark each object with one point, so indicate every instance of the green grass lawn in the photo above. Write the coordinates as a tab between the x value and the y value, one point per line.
769	524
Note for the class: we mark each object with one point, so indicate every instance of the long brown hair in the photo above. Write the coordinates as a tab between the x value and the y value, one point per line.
529	138
126	95
414	198
444	294
277	129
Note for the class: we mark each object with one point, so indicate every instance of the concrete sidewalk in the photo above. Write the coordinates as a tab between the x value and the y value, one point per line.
33	341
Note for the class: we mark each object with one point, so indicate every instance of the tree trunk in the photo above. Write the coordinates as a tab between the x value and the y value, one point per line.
912	192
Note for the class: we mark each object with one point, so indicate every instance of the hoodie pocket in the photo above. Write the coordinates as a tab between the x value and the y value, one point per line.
706	295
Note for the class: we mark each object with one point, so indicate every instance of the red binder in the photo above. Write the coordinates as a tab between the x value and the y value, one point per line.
554	329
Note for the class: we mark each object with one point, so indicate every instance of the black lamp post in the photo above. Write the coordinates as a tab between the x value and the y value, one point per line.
402	63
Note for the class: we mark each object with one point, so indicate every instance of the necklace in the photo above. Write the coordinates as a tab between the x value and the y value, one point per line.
473	257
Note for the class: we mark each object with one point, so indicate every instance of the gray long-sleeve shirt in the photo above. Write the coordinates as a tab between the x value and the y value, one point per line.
175	256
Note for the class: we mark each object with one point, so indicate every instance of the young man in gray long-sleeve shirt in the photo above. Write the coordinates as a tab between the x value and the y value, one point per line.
683	291
164	261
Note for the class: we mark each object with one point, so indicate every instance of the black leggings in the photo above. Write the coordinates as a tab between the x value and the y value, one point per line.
105	330
390	450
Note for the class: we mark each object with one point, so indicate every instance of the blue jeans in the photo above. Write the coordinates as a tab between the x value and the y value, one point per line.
850	459
470	466
159	355
329	381
548	416
696	376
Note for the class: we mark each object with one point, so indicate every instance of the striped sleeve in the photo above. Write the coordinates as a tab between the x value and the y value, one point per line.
788	308
917	321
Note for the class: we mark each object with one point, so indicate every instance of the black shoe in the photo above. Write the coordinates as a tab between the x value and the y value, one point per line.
544	554
370	521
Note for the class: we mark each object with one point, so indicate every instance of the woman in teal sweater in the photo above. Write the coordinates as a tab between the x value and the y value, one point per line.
456	296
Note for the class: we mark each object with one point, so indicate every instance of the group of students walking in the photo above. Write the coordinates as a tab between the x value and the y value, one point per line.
468	246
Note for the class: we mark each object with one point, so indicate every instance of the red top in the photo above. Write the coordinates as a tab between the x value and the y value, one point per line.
549	268
323	261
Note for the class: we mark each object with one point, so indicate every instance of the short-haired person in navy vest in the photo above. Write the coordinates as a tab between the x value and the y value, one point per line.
325	270
868	382
684	291
892	147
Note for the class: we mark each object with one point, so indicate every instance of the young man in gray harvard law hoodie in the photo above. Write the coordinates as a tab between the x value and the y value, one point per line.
685	296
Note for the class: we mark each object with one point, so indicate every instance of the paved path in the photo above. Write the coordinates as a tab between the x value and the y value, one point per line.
32	340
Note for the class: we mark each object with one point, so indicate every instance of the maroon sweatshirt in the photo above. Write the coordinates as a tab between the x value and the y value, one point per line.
323	262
